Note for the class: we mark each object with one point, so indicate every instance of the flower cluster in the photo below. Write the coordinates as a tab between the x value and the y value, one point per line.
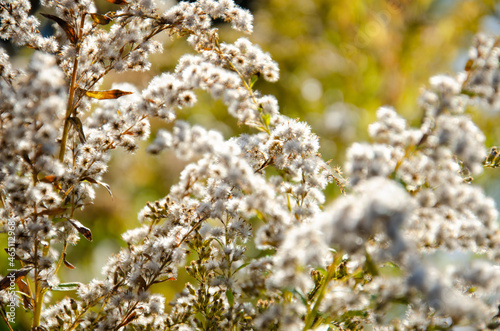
411	203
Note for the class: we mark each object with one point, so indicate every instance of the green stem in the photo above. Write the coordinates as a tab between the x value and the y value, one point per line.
311	315
37	310
38	305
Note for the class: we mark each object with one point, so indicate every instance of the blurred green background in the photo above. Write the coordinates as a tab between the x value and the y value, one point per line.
339	62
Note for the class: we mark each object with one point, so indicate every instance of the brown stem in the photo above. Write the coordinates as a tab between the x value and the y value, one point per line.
37	310
61	259
72	90
69	108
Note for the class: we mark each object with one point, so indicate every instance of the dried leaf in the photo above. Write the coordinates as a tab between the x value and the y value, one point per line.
51	212
370	266
48	179
70	32
74	304
468	65
100	19
66	263
130	317
82	229
93	181
142	283
241	267
25	290
117	2
13	276
26	158
77	123
109	94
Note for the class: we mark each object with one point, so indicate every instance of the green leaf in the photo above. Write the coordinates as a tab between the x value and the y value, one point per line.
117	2
241	267
301	296
66	263
66	287
260	216
255	78
25	292
354	313
230	297
13	275
468	65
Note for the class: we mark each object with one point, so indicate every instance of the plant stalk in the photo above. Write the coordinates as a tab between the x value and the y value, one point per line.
69	109
311	316
72	89
37	309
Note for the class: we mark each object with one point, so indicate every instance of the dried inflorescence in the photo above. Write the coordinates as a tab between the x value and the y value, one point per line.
412	203
349	264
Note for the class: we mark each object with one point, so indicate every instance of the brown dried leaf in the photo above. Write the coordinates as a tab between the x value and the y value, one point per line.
70	32
13	276
66	263
468	65
110	94
100	19
25	290
115	277
142	283
48	179
82	229
65	287
77	124
130	317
